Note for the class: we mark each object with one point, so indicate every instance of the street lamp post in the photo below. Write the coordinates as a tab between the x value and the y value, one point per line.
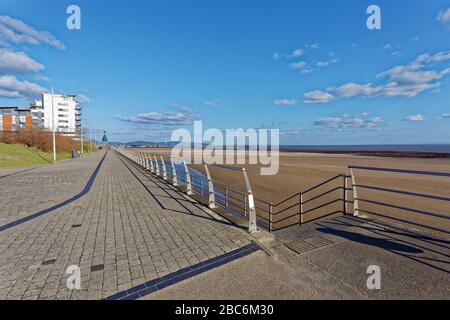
81	138
54	136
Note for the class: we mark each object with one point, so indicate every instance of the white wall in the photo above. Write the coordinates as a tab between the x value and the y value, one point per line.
65	113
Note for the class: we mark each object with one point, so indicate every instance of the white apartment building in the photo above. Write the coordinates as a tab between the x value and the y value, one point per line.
66	111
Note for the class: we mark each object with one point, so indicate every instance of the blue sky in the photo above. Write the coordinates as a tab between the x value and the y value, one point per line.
310	68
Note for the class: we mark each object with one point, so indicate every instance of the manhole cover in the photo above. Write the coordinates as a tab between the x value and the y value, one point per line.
309	244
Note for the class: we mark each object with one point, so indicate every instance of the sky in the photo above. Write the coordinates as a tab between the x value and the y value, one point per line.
312	69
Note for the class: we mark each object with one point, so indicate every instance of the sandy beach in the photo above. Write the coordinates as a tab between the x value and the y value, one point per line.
300	171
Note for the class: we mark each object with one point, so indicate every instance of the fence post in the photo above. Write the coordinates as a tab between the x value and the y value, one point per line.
344	207
301	208
355	195
211	195
270	217
164	171
157	165
188	178
252	226
174	174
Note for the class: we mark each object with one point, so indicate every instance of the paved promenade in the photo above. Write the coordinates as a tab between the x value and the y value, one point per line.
122	233
135	236
24	191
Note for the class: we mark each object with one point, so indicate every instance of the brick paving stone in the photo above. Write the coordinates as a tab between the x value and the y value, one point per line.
135	233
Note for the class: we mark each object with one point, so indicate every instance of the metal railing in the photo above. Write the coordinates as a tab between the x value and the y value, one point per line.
336	195
234	199
322	203
439	218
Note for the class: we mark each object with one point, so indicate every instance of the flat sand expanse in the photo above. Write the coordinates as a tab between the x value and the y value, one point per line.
300	171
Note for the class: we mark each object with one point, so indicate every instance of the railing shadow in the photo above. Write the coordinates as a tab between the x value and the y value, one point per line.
163	186
405	243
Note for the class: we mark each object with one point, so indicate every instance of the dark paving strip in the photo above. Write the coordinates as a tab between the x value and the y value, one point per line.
59	205
17	172
183	274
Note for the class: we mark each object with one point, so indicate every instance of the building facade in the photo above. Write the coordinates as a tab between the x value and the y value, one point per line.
14	118
65	109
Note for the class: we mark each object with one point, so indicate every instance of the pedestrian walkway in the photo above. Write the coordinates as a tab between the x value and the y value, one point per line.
130	228
29	190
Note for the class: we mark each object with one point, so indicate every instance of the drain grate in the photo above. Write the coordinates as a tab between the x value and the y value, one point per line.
366	228
48	262
97	267
309	244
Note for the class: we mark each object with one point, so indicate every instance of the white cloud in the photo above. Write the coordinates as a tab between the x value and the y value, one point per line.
415	118
18	62
446	115
16	31
327	63
297	53
347	122
354	89
40	77
83	98
285	102
12	88
312	46
317	97
298	65
184	116
212	102
306	71
444	16
401	81
387	46
294	54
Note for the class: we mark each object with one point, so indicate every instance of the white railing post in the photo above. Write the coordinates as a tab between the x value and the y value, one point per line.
157	165
252	226
188	178
150	160
164	171
355	195
174	174
147	165
211	195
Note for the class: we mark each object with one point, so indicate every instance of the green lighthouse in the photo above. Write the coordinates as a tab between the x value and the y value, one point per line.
104	140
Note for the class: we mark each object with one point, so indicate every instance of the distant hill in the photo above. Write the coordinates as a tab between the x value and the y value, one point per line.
144	143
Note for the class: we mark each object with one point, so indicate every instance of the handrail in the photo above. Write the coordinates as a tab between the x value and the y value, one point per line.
281	215
423	195
286	200
323	183
428	173
437	215
322	194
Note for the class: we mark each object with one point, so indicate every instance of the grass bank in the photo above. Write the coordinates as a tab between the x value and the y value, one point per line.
18	155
